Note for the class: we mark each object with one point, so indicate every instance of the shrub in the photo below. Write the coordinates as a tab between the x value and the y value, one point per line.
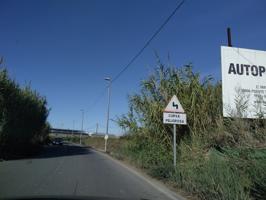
210	174
23	115
213	157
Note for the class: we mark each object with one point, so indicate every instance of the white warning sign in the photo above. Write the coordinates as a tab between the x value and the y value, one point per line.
174	112
174	106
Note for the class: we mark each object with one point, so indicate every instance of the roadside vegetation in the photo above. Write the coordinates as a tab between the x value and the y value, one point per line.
23	114
218	158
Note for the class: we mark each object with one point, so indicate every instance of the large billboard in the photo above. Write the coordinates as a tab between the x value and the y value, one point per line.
243	82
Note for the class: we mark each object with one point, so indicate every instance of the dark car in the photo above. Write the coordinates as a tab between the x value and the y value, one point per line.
58	141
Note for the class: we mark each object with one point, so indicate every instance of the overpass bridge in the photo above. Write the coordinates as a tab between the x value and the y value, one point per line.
70	132
67	132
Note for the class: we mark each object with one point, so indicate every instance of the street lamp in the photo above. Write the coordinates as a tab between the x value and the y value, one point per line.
108	110
73	128
82	117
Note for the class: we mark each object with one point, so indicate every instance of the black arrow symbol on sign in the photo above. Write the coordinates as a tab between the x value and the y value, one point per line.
175	105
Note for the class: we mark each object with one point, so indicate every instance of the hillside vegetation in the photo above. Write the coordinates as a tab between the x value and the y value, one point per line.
218	158
23	114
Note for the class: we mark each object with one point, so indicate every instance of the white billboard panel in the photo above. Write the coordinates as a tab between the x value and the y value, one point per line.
243	82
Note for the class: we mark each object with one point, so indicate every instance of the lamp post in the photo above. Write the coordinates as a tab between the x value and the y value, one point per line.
82	117
96	128
73	128
108	111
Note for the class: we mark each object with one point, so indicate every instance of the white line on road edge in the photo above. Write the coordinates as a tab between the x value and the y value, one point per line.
154	183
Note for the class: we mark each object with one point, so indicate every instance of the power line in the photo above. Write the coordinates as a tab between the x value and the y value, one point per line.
139	52
149	41
97	100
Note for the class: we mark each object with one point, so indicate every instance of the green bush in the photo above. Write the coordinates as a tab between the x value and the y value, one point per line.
74	139
23	115
200	97
252	162
147	152
205	172
211	175
218	158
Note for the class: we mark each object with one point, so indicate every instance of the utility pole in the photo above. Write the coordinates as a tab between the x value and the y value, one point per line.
96	128
82	118
108	111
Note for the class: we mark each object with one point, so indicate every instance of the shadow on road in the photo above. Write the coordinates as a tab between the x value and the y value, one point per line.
51	151
64	150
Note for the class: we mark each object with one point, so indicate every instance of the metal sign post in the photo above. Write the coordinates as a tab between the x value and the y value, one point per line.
105	143
174	114
174	144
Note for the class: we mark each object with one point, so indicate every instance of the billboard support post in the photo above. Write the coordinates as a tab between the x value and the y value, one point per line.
229	37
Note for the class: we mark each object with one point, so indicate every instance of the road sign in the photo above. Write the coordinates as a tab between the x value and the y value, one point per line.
174	106
106	137
174	114
174	118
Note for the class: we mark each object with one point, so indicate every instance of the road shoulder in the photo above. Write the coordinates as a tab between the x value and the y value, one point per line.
137	172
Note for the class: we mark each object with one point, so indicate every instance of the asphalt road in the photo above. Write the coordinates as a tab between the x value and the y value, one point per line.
72	171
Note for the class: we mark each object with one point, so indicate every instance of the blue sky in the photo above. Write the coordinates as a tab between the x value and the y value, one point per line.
66	48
